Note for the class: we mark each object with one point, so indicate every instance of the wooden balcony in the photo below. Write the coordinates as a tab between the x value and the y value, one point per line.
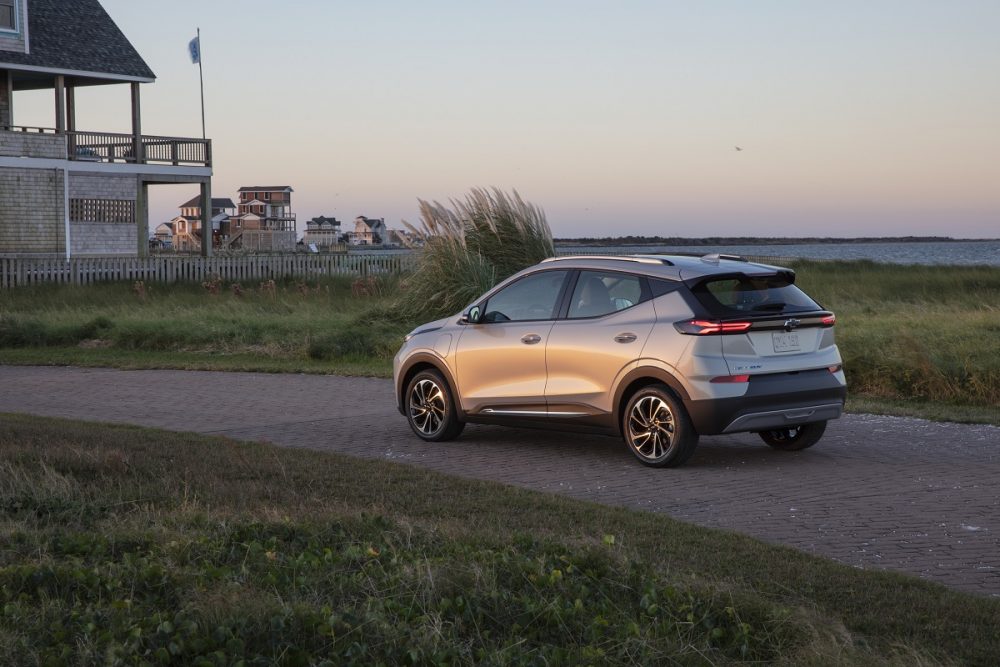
283	223
111	147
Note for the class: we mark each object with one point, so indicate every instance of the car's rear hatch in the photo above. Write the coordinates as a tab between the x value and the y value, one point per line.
776	326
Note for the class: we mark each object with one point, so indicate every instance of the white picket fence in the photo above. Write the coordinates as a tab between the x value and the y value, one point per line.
169	269
86	271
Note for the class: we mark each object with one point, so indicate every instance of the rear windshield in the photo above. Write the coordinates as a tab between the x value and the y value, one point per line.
739	294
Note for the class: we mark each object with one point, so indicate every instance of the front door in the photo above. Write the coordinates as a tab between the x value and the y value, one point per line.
500	361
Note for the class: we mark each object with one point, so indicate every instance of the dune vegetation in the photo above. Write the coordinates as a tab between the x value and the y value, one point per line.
125	545
915	336
470	247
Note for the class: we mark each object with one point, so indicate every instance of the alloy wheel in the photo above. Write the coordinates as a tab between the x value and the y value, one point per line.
651	427
794	438
427	406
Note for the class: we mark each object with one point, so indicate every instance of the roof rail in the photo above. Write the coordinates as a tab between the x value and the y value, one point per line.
639	259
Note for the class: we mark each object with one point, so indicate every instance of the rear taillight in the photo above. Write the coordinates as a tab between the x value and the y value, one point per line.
829	320
708	328
730	379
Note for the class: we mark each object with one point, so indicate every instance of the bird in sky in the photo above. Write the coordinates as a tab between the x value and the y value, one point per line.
738	148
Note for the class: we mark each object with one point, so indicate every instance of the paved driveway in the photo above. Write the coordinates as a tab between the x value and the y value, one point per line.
901	494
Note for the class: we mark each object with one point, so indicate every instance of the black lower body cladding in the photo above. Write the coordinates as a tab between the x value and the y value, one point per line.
772	401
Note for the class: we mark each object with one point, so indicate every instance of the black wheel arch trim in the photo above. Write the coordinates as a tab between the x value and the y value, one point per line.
427	359
644	372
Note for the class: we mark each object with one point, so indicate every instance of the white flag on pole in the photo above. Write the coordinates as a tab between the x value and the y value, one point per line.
194	48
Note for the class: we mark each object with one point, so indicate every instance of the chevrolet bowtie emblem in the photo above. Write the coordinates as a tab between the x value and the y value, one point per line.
791	324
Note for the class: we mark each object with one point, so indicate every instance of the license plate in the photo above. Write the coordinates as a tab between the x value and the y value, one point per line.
786	342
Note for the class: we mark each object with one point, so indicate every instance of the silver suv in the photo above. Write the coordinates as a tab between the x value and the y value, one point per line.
658	349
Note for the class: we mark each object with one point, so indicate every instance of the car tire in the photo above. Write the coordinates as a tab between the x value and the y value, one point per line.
657	428
430	408
794	438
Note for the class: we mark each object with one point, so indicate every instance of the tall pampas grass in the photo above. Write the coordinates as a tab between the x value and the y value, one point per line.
470	246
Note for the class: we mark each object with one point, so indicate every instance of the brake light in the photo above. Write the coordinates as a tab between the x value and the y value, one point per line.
829	320
730	379
708	328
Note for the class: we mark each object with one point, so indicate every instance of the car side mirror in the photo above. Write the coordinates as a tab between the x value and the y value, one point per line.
472	316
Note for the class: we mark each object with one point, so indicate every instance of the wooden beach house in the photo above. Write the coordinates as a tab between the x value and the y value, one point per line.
264	221
81	191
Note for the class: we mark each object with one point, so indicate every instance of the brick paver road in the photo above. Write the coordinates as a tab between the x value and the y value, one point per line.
902	494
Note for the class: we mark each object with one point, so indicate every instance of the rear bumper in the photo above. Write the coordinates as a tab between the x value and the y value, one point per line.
772	401
783	418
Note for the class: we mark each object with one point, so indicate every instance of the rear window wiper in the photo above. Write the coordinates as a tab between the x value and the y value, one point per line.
777	305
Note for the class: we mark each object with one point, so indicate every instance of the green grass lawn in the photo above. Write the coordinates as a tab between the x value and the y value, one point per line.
916	340
294	327
125	545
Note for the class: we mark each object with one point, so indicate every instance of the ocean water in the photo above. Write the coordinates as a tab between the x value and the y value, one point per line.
960	252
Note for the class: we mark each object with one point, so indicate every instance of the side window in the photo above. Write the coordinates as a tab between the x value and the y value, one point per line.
660	287
8	15
532	298
598	293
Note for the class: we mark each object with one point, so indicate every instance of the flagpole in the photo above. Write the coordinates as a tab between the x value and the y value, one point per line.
201	80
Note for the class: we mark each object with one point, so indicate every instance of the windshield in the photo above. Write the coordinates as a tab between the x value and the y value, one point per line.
726	296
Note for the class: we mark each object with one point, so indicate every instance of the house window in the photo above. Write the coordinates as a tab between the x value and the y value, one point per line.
8	15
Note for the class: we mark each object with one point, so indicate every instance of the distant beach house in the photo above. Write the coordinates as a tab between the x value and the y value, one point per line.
69	190
164	235
187	227
368	231
322	232
264	221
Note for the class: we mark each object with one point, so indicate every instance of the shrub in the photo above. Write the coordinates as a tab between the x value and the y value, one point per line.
471	246
22	332
372	334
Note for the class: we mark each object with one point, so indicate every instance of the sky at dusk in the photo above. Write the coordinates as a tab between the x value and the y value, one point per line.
855	118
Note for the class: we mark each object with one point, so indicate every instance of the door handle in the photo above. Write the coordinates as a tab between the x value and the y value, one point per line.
625	338
531	339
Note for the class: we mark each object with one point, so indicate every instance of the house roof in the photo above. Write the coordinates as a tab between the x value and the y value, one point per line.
267	188
77	37
323	220
217	202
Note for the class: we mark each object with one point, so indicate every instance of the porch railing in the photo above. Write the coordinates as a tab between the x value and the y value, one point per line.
118	147
283	223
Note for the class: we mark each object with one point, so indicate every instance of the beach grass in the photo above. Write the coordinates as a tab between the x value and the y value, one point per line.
914	334
125	545
291	326
916	340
